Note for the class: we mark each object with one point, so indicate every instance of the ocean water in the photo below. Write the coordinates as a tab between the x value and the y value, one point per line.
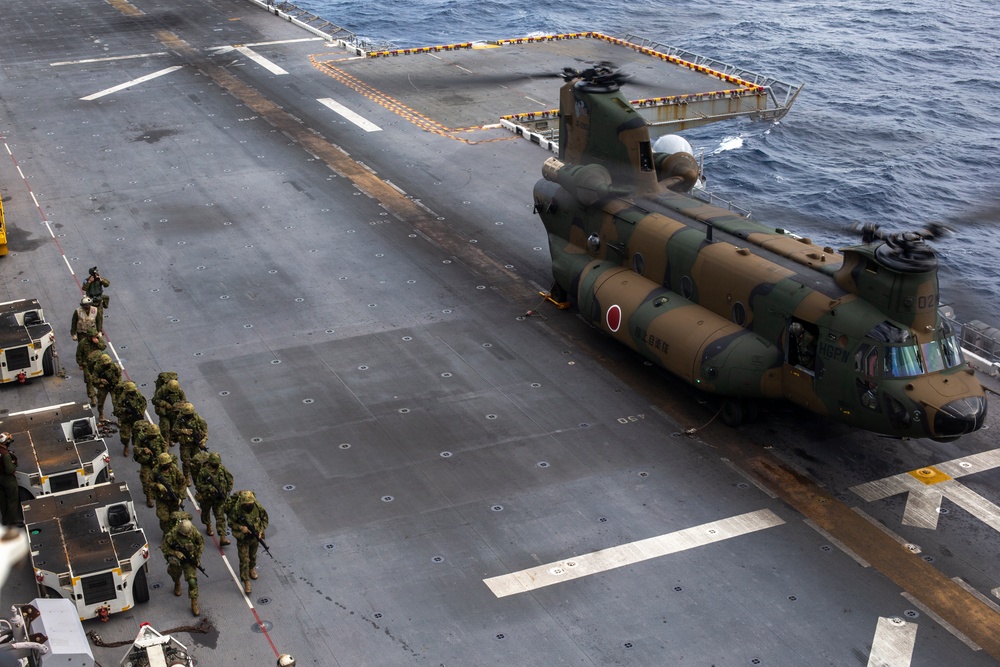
898	123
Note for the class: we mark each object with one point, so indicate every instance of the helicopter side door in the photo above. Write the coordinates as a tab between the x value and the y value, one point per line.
799	369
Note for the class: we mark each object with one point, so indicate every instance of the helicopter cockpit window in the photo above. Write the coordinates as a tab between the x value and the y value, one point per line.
942	354
866	360
903	361
887	332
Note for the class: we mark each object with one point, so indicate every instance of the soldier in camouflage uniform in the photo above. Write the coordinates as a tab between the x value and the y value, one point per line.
168	489
191	432
148	447
89	347
129	405
249	521
105	375
214	484
94	287
168	395
182	546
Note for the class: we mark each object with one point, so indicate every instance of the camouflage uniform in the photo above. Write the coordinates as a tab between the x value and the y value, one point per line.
88	374
87	346
105	375
129	406
249	521
191	432
148	447
168	395
94	286
214	484
182	546
168	489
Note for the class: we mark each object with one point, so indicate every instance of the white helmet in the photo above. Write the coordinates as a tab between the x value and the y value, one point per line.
86	301
6	438
286	660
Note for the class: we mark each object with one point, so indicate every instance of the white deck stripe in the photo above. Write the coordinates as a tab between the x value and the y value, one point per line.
261	60
129	84
107	59
962	637
358	120
634	552
893	643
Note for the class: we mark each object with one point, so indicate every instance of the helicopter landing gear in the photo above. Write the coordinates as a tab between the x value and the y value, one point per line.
736	411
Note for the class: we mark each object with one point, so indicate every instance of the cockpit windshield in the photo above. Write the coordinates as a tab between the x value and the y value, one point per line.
903	357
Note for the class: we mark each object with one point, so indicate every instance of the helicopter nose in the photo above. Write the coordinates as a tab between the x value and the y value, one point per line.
959	417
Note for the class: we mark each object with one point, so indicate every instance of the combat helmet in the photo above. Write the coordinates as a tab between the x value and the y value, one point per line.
130	386
91	332
185	527
106	358
214	459
173	384
185	407
246	497
166	458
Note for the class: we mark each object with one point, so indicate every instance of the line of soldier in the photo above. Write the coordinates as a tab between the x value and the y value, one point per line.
163	482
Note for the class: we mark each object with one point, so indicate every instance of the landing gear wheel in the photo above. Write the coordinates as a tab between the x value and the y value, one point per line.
732	412
751	410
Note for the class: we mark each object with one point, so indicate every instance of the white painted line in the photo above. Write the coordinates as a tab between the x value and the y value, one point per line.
261	60
129	84
944	624
634	552
837	543
893	643
976	594
358	120
285	41
108	59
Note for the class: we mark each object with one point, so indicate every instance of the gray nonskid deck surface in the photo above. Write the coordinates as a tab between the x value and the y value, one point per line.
375	382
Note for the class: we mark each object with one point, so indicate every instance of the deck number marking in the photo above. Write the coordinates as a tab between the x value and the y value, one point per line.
927	486
633	552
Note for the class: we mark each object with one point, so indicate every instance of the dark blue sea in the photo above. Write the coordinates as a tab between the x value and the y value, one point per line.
898	123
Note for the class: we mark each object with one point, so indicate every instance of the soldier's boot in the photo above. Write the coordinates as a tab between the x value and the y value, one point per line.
208	530
246	586
253	573
125	451
149	502
223	541
177	588
194	607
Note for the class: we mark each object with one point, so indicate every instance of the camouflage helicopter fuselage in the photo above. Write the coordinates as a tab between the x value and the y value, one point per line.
738	308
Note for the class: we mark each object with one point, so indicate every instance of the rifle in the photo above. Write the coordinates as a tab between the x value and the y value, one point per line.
173	496
260	539
218	491
188	558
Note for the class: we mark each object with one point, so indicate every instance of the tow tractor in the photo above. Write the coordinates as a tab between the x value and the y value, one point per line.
58	449
26	341
86	546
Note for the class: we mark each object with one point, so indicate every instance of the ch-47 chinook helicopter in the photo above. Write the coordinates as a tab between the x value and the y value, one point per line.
737	308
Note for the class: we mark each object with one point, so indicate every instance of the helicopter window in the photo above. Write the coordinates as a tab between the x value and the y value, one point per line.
866	360
903	361
687	287
941	354
638	263
739	313
887	332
